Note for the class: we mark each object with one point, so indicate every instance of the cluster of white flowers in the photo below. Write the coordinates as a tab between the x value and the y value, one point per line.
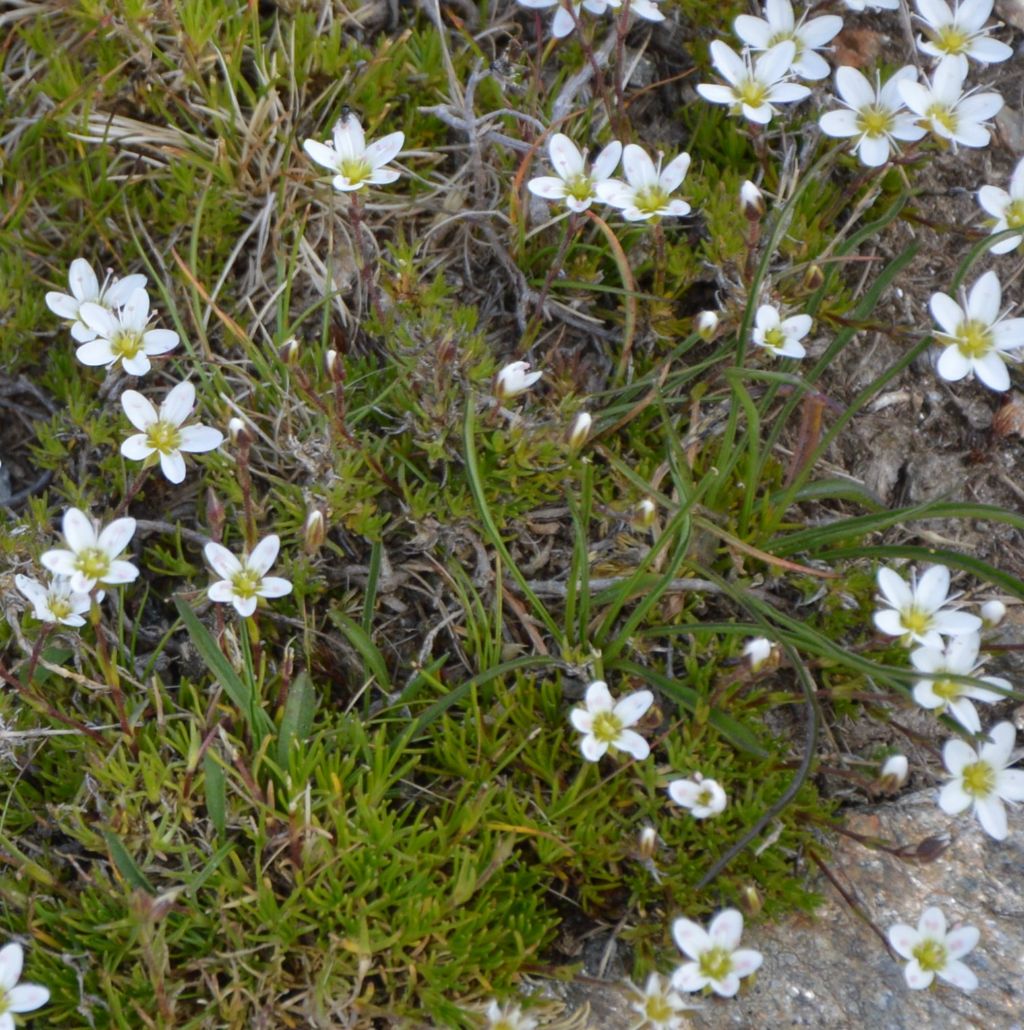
565	20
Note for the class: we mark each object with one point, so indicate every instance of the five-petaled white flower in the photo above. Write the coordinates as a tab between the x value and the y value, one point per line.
658	1005
976	339
55	603
948	112
778	335
85	287
875	115
754	87
981	778
932	950
872	5
508	1017
245	580
353	163
574	184
1007	208
780	24
959	658
91	555
703	797
513	379
606	724
959	33
161	433
916	613
647	192
718	961
15	997
122	335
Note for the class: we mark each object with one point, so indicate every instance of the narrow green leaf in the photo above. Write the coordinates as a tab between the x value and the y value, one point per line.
297	722
368	650
126	864
216	793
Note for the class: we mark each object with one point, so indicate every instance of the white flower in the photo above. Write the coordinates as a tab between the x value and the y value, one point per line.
244	581
510	1017
758	650
122	335
917	614
992	613
563	23
15	997
762	34
605	723
707	325
931	950
754	87
86	287
55	603
959	34
91	556
752	201
1007	208
960	658
781	336
718	961
702	797
573	184
950	113
875	115
872	5
658	1005
580	430
980	778
162	432
647	193
976	339
893	775
515	378
353	163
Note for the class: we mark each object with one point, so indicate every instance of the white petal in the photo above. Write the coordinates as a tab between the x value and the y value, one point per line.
178	404
957	755
138	365
729	64
952	365
565	156
894	588
932	922
582	719
727	987
916	977
853	87
598	698
961	940
716	94
274	586
959	975
873	151
984	299
632	743
221	560
755	32
116	537
991	370
726	929
689	978
841	123
904	939
773	64
173	466
993	199
672	174
997	751
136	309
592	748
607	161
222	592
746	961
349	138
120	572
992	815
549	187
11	960
1010	784
953	799
27	997
137	447
933	588
158	341
82	280
78	529
264	554
198	439
63	305
788	93
691	938
385	149
96	352
118	292
322	154
139	410
632	707
638	166
245	606
58	561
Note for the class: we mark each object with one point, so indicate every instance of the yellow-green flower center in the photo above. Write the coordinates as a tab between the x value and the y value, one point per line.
941	114
657	1009
715	963
579	187
775	338
974	338
651	199
355	169
126	343
874	121
952	40
606	727
979	779
931	955
751	92
946	689
246	582
163	437
782	35
92	563
916	621
1014	214
60	607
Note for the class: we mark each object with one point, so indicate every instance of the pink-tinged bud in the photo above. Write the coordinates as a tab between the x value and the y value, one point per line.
515	378
752	202
289	351
314	532
993	613
707	325
814	278
580	431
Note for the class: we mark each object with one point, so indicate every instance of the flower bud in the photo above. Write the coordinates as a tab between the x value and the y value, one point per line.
648	843
335	366
214	514
237	433
314	532
514	379
893	774
707	325
752	202
993	613
288	352
580	430
814	278
758	651
751	901
643	516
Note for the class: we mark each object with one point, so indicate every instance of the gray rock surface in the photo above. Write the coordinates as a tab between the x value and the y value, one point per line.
833	971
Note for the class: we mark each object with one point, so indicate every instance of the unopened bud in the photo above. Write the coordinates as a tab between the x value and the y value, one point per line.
893	774
514	379
752	202
214	514
237	433
751	901
580	430
814	278
647	846
643	516
993	613
707	325
759	652
335	366
289	351
314	532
